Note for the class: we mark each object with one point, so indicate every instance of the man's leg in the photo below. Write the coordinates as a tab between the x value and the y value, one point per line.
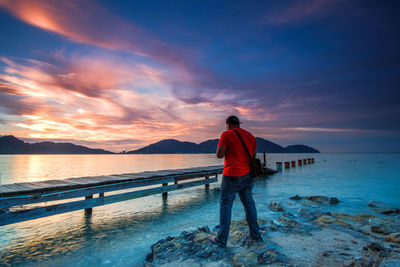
225	210
250	208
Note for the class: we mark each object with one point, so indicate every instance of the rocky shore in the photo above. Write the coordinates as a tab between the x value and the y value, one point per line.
310	237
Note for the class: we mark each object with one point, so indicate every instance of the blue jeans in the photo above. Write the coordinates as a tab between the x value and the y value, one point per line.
242	185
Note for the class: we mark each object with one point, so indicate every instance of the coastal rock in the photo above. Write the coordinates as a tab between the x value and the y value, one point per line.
245	258
325	220
276	206
296	197
271	256
323	199
380	226
393	237
308	214
194	247
383	209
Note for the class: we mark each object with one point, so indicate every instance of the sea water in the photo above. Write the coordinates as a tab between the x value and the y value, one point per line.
121	234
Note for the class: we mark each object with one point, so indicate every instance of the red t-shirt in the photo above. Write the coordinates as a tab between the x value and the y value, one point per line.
237	162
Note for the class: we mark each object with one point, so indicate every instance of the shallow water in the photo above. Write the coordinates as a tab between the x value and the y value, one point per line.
120	234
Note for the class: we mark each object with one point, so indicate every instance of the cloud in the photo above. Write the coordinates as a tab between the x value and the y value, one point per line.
297	11
100	99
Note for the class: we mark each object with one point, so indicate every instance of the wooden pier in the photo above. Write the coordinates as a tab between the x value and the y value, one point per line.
93	190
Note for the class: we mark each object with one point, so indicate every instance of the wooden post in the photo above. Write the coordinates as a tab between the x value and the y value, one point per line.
293	163
207	186
287	165
165	194
89	210
299	162
265	160
279	166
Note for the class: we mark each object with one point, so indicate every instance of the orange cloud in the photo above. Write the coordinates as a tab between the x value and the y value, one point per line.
97	99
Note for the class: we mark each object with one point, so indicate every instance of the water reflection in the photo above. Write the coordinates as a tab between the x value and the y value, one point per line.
69	233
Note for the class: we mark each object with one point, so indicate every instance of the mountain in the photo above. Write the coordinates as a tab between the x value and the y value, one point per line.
300	149
168	146
209	146
9	144
264	145
172	146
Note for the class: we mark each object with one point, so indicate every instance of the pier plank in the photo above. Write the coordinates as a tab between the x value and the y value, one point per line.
16	187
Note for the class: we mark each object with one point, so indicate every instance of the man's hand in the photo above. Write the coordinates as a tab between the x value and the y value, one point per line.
221	151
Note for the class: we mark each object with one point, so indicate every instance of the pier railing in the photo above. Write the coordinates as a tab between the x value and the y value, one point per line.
93	189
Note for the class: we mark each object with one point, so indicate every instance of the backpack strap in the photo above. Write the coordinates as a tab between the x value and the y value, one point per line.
244	145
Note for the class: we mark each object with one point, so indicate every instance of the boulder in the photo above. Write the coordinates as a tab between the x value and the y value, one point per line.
323	199
276	206
296	197
383	209
393	237
379	226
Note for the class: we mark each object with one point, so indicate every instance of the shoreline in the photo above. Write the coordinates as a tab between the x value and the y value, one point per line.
310	237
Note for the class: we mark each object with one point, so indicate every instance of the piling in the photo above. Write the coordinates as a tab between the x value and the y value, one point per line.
207	186
265	159
299	162
89	210
308	161
287	165
293	163
165	194
279	166
304	162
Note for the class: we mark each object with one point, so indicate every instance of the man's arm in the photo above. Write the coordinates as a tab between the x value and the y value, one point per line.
221	151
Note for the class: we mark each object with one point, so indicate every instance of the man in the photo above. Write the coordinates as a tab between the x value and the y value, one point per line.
236	179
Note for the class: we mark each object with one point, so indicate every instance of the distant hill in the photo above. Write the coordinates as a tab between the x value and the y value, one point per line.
172	146
300	149
9	144
168	146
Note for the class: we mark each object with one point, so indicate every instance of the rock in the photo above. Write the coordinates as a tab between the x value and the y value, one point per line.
374	246
205	253
393	237
187	235
245	258
323	199
204	229
333	200
276	206
200	237
372	204
383	209
271	256
296	197
307	214
325	220
379	226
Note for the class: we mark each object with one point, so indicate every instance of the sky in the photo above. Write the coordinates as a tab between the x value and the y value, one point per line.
123	74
